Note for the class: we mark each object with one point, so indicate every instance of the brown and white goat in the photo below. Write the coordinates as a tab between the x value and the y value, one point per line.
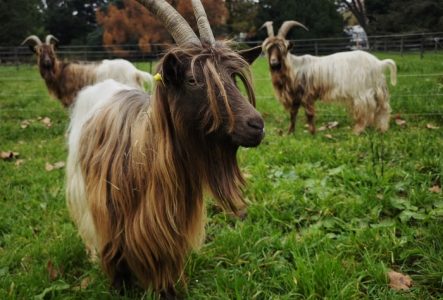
138	166
354	78
65	79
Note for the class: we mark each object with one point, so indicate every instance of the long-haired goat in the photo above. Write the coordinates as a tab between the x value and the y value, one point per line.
355	78
138	165
65	79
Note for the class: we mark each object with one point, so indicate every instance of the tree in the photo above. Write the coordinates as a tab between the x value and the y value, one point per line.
241	16
71	21
128	22
320	16
400	16
18	19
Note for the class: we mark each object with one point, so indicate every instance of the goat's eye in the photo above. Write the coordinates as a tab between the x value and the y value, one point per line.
191	81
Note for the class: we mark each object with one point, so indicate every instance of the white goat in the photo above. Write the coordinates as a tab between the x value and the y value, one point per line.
354	78
65	79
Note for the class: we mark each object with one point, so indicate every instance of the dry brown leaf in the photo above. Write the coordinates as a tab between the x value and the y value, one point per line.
399	121
53	272
58	165
435	189
399	281
25	123
329	136
85	282
47	121
431	126
332	125
8	155
19	162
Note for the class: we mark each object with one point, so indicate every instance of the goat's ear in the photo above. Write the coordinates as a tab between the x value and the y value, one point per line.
172	70
251	54
290	46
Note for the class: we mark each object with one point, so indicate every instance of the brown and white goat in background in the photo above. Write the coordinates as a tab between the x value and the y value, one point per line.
138	165
354	78
65	79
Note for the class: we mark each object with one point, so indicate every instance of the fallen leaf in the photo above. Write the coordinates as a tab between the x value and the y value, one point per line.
85	282
19	162
430	126
399	281
399	121
329	136
47	121
8	155
332	125
58	165
24	124
435	189
53	272
322	128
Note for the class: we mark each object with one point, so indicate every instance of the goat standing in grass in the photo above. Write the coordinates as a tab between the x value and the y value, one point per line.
65	79
354	78
138	165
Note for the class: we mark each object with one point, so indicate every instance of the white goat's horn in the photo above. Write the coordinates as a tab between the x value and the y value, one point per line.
204	28
287	25
269	28
49	38
33	38
176	25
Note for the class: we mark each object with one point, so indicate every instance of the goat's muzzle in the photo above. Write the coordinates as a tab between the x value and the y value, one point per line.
253	132
274	64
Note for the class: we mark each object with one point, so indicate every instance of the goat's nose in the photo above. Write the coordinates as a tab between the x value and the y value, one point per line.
274	61
256	123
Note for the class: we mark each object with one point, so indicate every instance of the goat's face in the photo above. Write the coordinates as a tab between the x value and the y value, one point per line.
276	49
202	83
46	58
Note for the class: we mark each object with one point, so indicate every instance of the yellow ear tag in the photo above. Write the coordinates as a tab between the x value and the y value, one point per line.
158	77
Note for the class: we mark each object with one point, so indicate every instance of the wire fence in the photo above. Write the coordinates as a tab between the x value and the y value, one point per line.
431	102
401	43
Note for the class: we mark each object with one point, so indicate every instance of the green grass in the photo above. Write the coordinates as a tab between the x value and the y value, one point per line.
327	217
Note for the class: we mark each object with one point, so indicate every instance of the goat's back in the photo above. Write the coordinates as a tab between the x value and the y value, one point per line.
343	74
122	71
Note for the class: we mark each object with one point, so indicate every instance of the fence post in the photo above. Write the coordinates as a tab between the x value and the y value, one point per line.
401	46
16	58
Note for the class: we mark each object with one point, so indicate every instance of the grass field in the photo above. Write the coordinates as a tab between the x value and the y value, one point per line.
329	215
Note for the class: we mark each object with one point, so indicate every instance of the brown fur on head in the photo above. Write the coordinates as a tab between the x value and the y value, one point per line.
276	49
45	52
146	162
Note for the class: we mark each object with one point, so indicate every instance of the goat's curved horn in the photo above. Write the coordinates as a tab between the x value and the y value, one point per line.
269	28
204	28
33	38
287	25
176	25
50	38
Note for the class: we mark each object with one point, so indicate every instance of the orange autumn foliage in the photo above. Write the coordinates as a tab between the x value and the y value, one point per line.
133	24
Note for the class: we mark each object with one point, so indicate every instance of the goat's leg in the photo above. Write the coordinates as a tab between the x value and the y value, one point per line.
361	118
310	116
383	111
293	113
